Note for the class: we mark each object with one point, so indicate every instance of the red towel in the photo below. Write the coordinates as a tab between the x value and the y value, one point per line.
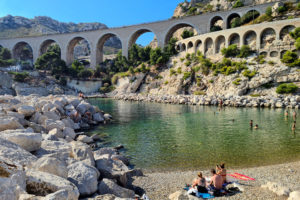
241	177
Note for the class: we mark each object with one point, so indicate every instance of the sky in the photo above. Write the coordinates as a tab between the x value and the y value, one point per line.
113	13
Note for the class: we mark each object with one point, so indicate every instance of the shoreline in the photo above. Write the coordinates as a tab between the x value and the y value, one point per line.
159	185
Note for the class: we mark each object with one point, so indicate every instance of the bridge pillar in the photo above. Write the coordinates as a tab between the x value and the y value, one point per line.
93	60
258	41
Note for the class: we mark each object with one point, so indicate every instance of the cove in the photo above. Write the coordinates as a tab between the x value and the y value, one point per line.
165	137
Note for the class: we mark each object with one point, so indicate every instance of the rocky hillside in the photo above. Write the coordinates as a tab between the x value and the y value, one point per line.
196	7
15	26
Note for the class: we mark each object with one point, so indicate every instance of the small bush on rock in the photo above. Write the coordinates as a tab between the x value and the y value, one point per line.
286	88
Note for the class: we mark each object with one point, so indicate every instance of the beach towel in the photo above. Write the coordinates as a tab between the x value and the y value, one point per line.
241	177
205	195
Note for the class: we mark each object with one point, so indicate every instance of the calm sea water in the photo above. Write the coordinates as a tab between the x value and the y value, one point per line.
167	137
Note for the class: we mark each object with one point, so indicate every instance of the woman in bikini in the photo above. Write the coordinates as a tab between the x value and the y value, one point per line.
222	171
200	183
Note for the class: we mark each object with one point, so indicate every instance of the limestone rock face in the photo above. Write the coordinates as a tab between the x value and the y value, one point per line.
82	152
84	177
109	187
59	149
7	123
294	195
51	165
42	184
59	195
14	153
27	140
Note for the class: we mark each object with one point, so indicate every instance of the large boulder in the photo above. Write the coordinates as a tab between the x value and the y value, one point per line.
58	149
9	189
69	132
109	187
27	111
51	165
84	177
59	195
110	168
103	151
98	117
56	132
27	140
51	124
83	107
82	152
42	184
7	123
85	139
294	195
14	153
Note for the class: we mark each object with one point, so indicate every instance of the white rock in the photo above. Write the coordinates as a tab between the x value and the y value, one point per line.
50	124
98	117
27	140
84	176
60	149
82	107
107	116
51	115
103	151
69	132
51	165
59	195
26	110
85	139
294	195
56	132
82	152
109	187
7	123
14	153
42	184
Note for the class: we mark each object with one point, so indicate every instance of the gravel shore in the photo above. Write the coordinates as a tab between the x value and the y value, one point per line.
159	186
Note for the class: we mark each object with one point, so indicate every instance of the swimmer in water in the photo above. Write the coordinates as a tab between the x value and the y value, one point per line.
294	126
286	113
256	126
294	115
251	123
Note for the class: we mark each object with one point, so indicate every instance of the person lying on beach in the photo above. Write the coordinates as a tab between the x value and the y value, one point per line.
216	182
200	183
221	171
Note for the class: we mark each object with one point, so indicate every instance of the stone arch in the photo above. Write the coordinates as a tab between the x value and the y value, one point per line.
23	51
282	52
216	24
250	16
137	34
230	18
284	33
208	46
183	47
177	47
250	38
71	47
198	45
190	45
234	39
273	54
176	27
267	37
264	53
219	43
45	45
100	46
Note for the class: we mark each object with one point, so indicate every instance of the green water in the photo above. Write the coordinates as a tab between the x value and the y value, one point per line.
163	137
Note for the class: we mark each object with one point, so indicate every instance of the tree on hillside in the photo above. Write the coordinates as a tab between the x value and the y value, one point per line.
186	34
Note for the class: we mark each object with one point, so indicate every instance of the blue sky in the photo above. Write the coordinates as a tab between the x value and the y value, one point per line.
112	13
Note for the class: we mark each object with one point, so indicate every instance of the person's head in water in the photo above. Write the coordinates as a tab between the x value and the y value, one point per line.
222	165
256	126
213	171
200	175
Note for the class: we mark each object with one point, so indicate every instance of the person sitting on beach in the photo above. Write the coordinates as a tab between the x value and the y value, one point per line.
256	126
216	182
200	183
221	171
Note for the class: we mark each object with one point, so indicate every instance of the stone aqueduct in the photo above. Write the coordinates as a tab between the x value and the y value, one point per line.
208	43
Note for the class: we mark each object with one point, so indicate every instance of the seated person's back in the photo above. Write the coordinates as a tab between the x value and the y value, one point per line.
216	180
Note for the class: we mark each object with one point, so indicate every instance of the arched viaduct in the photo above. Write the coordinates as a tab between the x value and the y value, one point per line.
271	39
128	35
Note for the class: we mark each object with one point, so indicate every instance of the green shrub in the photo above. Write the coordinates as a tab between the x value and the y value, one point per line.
237	81
114	79
179	70
269	11
182	59
196	69
106	89
248	73
255	95
297	44
236	22
215	28
20	76
263	18
187	63
199	93
245	51
86	73
249	16
298	6
290	59
295	33
260	59
211	81
231	51
271	63
166	82
188	56
186	75
186	34
172	72
286	88
238	4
